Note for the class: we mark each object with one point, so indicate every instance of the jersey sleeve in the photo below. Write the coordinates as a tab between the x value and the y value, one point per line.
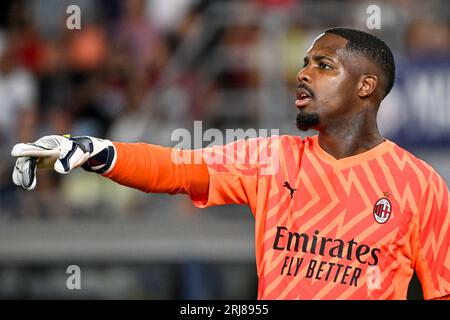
158	169
234	170
432	239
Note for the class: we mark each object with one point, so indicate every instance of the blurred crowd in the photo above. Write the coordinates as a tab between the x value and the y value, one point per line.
138	69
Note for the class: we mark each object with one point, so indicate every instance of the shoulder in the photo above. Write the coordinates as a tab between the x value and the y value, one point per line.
407	160
270	141
289	140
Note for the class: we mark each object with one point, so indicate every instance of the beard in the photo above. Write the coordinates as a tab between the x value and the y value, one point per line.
307	120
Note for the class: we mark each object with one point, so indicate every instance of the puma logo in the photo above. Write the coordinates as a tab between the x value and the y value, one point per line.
288	186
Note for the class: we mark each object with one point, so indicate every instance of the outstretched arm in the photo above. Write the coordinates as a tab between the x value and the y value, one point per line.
146	167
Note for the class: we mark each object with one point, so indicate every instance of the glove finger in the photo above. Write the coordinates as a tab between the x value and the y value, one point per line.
17	172
51	142
24	173
31	150
29	180
74	158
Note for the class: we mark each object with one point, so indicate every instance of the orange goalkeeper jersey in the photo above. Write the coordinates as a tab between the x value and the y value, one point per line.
354	228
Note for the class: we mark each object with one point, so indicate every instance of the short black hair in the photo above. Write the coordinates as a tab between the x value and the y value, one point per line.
372	48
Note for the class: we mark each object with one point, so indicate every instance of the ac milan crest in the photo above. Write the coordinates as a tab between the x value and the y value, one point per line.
382	210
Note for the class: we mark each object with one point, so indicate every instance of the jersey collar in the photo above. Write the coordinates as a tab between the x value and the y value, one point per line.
352	160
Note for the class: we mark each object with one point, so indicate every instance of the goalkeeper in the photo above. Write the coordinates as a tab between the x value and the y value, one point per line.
345	214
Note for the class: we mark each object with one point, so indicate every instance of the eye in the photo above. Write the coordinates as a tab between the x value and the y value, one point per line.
325	66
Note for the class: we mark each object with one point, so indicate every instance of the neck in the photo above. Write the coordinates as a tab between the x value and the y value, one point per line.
351	137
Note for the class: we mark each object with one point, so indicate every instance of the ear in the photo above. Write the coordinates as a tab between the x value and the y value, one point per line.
367	85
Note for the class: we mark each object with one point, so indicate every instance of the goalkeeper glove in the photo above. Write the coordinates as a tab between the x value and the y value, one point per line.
63	154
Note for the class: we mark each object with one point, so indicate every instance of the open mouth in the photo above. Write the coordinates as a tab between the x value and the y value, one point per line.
303	97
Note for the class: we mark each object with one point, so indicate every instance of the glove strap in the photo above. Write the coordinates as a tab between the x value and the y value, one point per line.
104	159
100	162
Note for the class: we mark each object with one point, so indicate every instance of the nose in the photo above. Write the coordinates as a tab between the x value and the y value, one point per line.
303	75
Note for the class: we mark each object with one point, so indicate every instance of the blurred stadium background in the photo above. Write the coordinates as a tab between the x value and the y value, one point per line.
135	71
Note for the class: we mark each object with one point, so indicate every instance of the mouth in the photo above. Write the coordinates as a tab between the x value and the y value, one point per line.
303	97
